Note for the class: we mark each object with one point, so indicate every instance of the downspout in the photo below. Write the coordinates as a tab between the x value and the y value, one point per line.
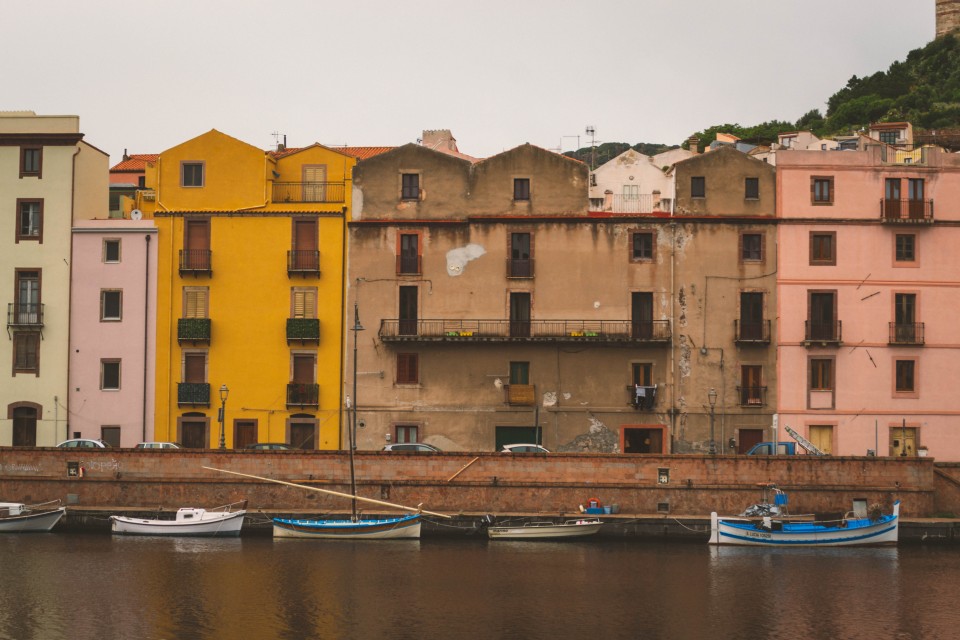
673	323
73	195
344	264
146	331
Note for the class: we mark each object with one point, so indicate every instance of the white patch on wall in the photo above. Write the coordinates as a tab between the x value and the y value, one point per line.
550	399
566	395
596	426
457	259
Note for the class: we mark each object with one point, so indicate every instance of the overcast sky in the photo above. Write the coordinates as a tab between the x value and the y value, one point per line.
146	75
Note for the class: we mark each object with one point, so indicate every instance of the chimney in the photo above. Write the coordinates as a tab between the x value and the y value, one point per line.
125	156
694	143
440	140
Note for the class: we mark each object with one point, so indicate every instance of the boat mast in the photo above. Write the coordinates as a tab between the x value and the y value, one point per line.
353	416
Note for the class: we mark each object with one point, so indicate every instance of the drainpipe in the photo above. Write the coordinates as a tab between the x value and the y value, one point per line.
673	324
146	331
73	193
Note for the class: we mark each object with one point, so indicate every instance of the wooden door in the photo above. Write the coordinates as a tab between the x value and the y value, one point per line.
303	369
822	316
244	433
519	314
408	311
751	315
314	183
641	307
903	441
25	427
193	434
305	257
195	367
915	189
748	438
197	245
751	390
891	200
303	435
821	436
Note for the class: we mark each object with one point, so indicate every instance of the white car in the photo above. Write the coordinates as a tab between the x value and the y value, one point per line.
523	448
86	443
416	447
157	445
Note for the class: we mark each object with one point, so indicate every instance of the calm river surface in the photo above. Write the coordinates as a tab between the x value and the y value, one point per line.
82	585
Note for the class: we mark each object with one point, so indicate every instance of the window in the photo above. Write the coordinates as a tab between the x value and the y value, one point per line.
642	373
521	188
111	250
303	302
821	374
191	174
906	376
519	373
195	302
410	186
407	433
823	249
26	352
521	256
29	220
751	385
751	190
751	247
821	189
110	434
408	368
31	161
408	262
27	308
111	305
698	187
906	247
642	248
631	192
822	322
889	137
110	375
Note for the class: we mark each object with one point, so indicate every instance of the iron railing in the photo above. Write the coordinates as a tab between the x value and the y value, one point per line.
751	331
408	265
752	396
193	393
906	333
308	191
303	395
303	330
457	330
193	330
25	314
823	332
195	261
642	203
519	268
303	261
902	211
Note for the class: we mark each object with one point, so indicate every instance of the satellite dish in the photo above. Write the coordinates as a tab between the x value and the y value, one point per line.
136	214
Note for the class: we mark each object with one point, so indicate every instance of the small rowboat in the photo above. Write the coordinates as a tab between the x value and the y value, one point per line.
546	530
380	529
189	521
16	517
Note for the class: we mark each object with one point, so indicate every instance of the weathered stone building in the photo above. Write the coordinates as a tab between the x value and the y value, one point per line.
948	17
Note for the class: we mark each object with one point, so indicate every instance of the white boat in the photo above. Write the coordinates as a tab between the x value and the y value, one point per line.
16	517
189	521
359	529
546	530
776	528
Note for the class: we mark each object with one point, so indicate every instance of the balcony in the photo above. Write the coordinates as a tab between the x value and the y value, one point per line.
552	331
409	265
303	395
303	262
520	395
751	332
519	268
25	315
639	203
906	211
752	396
193	330
906	333
643	398
303	330
308	192
195	394
195	262
822	333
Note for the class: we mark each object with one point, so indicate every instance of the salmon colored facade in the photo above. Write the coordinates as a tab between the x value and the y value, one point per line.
250	292
868	293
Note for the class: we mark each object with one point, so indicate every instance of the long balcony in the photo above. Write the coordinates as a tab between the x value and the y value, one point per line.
303	395
303	262
308	192
25	315
193	330
195	262
303	330
640	203
193	394
906	211
751	332
572	331
752	396
822	333
906	333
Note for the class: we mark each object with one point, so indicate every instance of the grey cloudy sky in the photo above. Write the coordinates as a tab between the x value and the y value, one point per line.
147	75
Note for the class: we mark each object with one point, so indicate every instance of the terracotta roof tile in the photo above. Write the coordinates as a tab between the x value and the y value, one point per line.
134	162
360	153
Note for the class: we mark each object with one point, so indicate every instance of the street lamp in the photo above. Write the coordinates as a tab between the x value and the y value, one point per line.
224	392
712	397
357	327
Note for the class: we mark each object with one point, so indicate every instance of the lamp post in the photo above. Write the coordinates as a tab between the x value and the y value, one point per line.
357	327
224	392
712	397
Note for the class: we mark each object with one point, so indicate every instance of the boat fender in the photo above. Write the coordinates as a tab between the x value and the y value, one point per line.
594	503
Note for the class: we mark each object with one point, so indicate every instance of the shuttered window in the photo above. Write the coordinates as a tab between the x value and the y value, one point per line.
408	368
195	302
303	302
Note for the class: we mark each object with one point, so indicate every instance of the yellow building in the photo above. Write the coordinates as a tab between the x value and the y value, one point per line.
250	292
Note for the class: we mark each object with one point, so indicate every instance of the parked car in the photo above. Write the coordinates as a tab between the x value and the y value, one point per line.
268	446
523	448
88	443
416	447
157	445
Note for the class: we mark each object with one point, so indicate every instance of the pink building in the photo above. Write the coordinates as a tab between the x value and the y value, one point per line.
112	330
868	293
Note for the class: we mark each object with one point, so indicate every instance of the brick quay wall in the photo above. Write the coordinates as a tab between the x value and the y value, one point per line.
474	483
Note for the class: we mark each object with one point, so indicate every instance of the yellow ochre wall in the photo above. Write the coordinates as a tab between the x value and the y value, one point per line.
249	287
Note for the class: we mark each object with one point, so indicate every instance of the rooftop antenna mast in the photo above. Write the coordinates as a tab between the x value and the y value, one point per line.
592	132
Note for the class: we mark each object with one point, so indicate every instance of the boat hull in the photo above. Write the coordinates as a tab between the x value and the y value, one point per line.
210	525
406	527
856	532
546	531
38	522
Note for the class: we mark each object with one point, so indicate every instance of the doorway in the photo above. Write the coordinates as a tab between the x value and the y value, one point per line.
517	435
821	436
643	439
244	433
903	441
747	438
25	426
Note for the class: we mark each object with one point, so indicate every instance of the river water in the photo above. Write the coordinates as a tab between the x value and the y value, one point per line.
86	585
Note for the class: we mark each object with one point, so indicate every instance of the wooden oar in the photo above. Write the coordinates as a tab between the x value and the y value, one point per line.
333	493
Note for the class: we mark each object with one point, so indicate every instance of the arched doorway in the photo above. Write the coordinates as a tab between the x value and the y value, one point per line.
25	416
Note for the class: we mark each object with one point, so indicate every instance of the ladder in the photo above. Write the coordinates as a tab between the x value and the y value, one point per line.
803	442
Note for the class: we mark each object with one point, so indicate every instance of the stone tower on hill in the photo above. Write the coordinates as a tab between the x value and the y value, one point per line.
948	16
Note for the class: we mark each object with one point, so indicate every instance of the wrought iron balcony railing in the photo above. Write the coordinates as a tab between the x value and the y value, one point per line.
578	331
752	332
409	265
519	268
303	262
195	261
308	192
752	396
823	333
643	397
910	333
193	330
906	211
303	395
193	393
25	315
303	330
